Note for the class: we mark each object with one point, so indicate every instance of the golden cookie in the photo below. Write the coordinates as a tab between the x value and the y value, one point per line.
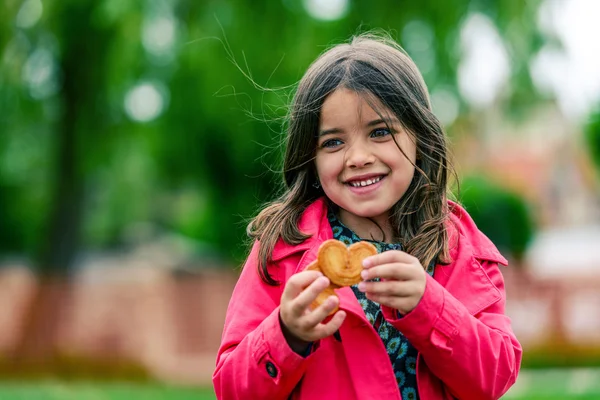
358	252
341	265
333	258
313	266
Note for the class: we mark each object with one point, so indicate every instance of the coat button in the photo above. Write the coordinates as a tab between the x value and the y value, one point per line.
271	370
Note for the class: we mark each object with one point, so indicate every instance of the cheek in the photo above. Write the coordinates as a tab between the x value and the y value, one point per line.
320	167
409	148
407	165
404	173
405	161
327	167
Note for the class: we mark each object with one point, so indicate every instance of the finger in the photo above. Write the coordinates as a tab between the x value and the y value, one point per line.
383	287
324	330
309	294
386	288
404	305
396	271
387	257
317	316
389	301
298	282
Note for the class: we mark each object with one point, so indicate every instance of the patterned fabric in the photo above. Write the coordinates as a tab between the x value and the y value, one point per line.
403	355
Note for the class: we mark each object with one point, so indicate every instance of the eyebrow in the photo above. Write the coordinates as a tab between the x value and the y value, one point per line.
375	122
387	121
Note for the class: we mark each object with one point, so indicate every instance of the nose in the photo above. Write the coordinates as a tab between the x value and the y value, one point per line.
359	155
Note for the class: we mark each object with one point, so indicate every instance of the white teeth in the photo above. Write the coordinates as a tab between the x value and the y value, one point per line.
365	183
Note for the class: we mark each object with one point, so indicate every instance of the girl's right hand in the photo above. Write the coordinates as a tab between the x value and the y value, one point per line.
299	323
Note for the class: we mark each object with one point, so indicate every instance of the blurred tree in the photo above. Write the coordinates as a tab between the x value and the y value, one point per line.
500	214
78	132
81	129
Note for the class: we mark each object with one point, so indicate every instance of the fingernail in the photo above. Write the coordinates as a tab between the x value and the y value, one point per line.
366	263
364	274
361	286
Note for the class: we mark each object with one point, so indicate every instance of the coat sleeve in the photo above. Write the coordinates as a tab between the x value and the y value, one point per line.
254	360
475	356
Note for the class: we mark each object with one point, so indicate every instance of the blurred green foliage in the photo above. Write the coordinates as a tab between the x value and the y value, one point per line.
592	136
77	171
502	215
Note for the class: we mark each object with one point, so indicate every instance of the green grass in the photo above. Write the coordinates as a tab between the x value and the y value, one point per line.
551	384
50	390
556	397
554	384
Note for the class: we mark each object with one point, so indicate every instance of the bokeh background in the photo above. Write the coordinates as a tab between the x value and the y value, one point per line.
138	137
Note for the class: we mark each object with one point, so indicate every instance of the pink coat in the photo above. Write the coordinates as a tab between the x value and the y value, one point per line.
467	349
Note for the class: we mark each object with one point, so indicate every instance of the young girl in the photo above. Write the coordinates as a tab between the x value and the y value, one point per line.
366	160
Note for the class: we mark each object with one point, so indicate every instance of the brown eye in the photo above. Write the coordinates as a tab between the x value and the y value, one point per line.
380	132
331	143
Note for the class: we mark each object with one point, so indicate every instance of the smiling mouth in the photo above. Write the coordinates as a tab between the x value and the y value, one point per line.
366	182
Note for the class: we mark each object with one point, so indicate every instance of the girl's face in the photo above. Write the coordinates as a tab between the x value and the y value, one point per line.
360	166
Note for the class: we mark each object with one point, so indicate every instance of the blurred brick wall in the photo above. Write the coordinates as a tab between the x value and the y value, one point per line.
562	310
170	324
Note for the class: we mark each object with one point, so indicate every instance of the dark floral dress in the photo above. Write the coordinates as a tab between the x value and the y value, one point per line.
403	355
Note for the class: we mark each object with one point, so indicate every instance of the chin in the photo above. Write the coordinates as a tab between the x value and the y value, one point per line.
367	213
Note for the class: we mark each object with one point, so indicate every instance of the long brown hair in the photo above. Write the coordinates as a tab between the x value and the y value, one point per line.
371	66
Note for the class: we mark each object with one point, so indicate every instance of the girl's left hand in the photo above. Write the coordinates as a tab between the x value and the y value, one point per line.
402	283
